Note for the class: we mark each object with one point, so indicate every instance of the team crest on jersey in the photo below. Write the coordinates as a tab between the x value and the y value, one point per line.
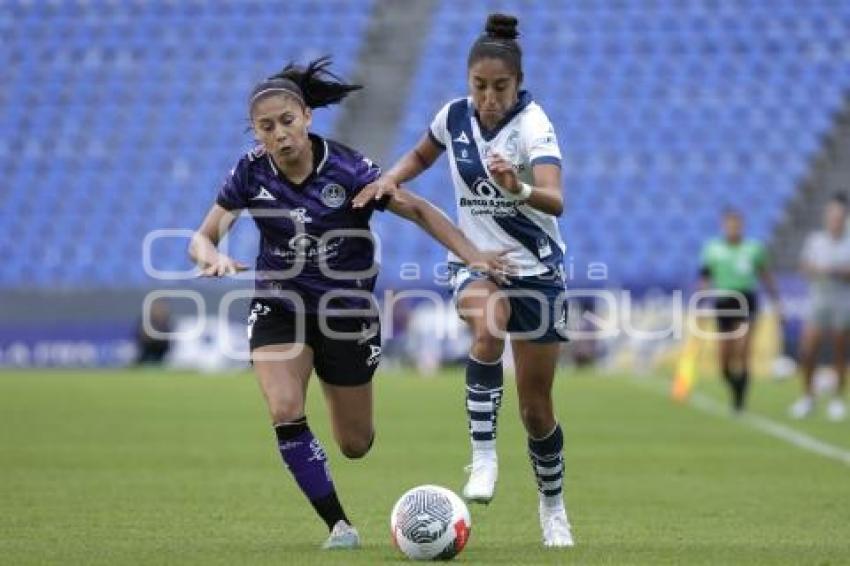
333	195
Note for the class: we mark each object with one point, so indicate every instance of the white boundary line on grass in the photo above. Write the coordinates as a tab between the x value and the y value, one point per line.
762	424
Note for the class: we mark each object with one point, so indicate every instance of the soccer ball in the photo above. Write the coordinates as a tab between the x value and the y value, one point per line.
430	522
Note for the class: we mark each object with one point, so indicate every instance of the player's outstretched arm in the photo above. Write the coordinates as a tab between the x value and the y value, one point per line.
203	248
434	222
414	162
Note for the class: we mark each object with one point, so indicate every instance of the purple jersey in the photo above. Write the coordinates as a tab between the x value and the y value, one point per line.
297	223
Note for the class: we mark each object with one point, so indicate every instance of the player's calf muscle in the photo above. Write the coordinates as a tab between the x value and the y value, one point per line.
355	447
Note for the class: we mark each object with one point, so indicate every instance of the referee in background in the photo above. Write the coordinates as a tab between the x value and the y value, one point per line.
735	265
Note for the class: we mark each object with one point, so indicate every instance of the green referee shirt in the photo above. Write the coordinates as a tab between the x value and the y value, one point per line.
733	267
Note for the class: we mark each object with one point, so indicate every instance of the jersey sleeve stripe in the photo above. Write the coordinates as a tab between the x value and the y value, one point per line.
546	160
226	204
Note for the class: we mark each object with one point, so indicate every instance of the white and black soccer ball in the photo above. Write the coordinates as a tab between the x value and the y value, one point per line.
430	522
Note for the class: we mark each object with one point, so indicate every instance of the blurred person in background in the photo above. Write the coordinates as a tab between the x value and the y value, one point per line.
735	264
825	261
151	347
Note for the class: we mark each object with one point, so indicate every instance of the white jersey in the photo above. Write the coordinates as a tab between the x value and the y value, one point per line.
492	221
825	252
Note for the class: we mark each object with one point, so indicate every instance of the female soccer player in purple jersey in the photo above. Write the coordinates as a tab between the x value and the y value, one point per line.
312	308
506	168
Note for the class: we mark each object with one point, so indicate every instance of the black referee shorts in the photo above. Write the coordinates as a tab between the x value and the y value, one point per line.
341	361
727	322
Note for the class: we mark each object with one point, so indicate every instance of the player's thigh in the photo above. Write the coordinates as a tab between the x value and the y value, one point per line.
742	343
730	340
747	340
748	325
724	348
484	307
283	372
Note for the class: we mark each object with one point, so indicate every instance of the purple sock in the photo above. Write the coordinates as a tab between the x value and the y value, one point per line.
304	456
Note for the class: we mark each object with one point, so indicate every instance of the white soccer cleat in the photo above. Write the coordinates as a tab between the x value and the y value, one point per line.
802	408
343	536
555	526
483	473
836	411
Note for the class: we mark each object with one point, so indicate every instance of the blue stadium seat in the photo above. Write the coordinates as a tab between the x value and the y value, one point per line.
119	118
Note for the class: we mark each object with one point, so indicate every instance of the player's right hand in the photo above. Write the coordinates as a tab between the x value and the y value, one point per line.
223	266
495	264
376	190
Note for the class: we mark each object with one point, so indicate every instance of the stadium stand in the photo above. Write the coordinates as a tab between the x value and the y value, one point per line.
126	116
118	118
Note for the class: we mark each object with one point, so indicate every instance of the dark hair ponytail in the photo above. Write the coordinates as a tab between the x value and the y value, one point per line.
314	85
499	42
319	86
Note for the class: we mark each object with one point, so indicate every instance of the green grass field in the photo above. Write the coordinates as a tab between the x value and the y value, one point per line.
155	468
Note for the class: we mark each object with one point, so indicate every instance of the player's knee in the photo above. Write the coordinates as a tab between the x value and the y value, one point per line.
286	411
537	418
355	447
486	347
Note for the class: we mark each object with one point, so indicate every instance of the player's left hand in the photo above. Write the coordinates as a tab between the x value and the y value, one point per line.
380	188
503	173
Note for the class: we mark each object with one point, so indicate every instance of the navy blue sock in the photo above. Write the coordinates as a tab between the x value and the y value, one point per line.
483	398
547	460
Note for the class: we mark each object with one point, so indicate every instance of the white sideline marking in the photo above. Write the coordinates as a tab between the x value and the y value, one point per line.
762	424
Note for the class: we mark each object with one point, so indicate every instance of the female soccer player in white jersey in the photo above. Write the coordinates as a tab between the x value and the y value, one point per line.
308	312
506	168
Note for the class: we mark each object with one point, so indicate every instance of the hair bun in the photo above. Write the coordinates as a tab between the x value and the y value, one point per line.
501	26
